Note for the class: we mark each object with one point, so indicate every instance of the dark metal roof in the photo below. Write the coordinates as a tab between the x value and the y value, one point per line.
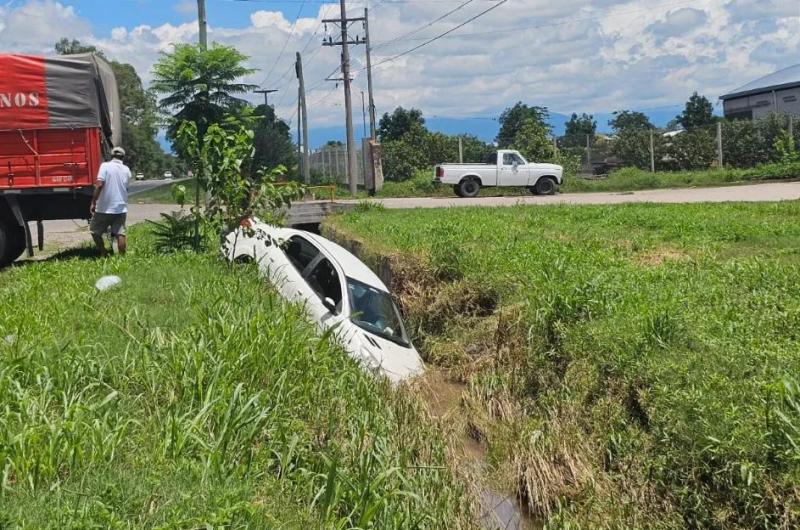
786	78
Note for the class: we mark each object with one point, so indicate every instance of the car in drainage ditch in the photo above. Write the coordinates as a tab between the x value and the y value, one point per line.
337	290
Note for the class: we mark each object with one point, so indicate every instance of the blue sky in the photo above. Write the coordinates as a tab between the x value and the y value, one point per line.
592	56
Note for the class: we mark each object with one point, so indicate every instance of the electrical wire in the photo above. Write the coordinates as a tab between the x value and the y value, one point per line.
285	43
429	24
437	37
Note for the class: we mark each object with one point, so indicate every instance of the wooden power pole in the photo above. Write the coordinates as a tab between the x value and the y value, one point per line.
343	22
303	119
372	132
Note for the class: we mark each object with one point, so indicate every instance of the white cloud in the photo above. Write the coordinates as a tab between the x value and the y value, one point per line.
571	55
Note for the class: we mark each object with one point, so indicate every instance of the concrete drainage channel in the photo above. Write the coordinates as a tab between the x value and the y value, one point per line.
442	397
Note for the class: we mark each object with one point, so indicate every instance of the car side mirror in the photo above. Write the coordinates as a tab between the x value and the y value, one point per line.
329	304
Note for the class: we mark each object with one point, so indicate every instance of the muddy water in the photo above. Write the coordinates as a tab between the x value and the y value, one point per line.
498	511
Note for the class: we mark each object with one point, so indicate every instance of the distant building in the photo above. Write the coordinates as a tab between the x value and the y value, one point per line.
776	92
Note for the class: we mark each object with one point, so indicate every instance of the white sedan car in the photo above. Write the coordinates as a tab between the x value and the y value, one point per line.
337	289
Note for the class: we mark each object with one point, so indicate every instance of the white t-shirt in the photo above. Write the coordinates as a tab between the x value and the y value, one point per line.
114	195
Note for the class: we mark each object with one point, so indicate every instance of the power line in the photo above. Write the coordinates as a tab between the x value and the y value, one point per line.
550	24
429	24
434	39
286	42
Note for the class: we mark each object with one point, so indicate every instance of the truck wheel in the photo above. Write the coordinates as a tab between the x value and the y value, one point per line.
545	186
469	188
457	190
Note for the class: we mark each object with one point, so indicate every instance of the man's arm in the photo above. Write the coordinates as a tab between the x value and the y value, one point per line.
98	187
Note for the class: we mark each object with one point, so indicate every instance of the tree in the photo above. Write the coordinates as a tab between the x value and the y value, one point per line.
698	112
578	128
512	119
200	86
630	120
397	124
139	114
532	141
273	140
74	46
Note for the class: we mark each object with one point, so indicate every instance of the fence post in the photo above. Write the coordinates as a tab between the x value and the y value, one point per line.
589	153
652	153
719	144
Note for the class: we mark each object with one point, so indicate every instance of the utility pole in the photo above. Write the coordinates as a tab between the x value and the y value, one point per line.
303	118
201	19
719	144
652	153
266	94
460	151
299	139
372	133
363	114
343	23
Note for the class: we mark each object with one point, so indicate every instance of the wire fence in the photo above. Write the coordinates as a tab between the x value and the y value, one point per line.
329	165
725	143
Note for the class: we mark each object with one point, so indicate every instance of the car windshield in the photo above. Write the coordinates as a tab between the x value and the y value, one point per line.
373	310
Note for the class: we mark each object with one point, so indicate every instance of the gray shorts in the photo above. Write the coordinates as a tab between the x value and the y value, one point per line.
101	222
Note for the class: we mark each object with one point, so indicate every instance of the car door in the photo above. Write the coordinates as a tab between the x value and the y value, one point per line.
327	305
288	277
511	171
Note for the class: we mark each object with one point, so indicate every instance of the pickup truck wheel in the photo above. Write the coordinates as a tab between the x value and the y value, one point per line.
545	186
457	190
469	188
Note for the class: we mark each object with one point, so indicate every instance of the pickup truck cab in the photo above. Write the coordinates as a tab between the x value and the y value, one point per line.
504	168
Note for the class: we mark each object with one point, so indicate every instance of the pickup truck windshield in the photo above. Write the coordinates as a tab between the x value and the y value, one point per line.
373	310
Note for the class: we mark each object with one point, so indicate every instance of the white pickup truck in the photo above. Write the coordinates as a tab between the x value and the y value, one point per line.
504	168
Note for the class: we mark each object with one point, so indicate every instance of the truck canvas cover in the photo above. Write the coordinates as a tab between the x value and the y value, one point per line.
64	92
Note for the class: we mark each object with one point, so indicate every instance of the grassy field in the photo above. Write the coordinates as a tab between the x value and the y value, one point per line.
629	366
192	397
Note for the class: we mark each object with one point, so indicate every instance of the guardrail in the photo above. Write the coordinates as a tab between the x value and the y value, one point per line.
330	187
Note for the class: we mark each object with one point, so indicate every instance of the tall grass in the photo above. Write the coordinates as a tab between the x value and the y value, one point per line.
640	369
191	396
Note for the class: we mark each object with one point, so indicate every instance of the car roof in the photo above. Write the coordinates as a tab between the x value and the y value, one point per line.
352	266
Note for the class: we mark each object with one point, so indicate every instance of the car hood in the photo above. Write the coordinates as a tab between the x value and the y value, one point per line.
395	362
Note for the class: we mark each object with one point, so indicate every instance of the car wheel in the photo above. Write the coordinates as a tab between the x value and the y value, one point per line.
545	186
469	188
243	259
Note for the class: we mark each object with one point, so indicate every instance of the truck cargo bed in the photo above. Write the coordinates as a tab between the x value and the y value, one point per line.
48	158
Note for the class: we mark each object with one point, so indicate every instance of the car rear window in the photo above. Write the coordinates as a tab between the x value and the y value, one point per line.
300	252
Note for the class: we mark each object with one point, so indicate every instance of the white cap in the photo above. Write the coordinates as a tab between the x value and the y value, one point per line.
118	151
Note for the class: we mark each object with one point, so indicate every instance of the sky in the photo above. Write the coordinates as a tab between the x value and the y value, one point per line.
591	56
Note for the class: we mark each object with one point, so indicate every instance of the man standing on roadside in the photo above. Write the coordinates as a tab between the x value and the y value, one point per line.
110	202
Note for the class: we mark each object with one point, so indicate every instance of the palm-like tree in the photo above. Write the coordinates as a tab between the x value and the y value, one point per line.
200	85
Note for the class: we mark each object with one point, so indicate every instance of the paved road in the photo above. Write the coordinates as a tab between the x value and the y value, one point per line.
64	234
139	186
779	191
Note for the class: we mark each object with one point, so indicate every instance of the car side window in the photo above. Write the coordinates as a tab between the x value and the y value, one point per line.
508	159
324	281
300	252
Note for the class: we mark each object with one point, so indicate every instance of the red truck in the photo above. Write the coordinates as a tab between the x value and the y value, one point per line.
59	118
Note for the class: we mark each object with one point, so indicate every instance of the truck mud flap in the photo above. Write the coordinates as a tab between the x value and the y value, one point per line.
13	205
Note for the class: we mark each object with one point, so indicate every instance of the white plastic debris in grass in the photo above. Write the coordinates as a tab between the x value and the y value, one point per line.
107	282
10	339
